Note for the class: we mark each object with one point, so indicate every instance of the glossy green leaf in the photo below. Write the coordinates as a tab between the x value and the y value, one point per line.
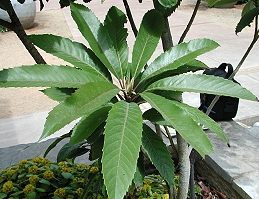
71	151
247	19
83	102
45	76
58	94
177	117
154	116
248	6
87	125
114	24
158	154
97	37
202	118
168	3
147	39
202	84
178	56
122	142
72	52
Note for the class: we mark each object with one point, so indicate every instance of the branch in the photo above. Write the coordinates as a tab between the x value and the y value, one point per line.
132	23
191	21
18	29
6	24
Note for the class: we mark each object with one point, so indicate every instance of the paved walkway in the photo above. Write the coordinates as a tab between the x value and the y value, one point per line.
26	129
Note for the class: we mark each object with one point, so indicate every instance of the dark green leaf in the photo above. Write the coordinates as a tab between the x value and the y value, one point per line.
43	181
140	171
168	3
54	144
58	94
31	195
97	149
247	19
158	154
122	141
178	56
202	84
114	24
3	195
67	175
177	117
97	37
219	3
72	52
154	116
45	76
40	189
71	152
83	102
248	6
147	40
88	124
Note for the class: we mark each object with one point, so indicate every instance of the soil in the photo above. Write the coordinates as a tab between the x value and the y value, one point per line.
22	101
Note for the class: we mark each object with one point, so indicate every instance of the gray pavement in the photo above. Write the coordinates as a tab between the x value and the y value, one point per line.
27	129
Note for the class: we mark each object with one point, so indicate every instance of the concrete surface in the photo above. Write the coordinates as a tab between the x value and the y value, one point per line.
238	164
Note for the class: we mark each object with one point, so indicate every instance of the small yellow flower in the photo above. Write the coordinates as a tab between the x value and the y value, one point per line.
46	167
94	170
34	179
66	169
28	189
146	187
165	196
155	195
32	169
60	193
45	161
37	159
22	163
8	187
48	175
62	164
148	181
79	192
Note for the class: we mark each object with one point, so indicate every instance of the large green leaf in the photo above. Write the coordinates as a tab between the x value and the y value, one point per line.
88	124
83	102
158	154
45	76
168	3
218	3
247	19
202	118
97	37
122	142
178	56
72	52
182	122
202	84
147	40
114	24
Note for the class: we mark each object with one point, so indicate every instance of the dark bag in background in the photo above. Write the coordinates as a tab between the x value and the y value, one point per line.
226	107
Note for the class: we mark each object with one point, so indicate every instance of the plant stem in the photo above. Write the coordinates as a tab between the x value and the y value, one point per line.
190	21
128	12
166	37
16	26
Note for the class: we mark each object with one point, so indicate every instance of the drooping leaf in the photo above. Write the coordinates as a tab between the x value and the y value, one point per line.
178	56
88	124
166	7
83	102
140	170
248	6
122	141
114	24
58	94
168	3
202	118
199	83
45	76
54	144
73	52
154	116
71	151
146	41
247	19
97	37
177	117
158	154
96	149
